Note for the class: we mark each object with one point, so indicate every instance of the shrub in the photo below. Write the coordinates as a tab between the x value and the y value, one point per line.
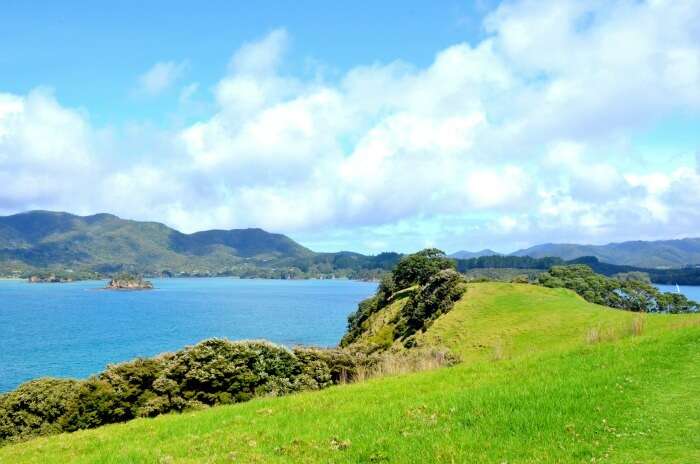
212	372
122	392
387	288
219	371
38	407
332	366
314	373
631	293
633	275
419	267
357	319
435	298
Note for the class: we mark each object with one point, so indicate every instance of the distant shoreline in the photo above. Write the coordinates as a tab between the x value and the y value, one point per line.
20	279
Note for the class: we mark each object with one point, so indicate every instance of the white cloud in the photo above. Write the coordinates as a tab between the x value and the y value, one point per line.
160	77
517	136
45	150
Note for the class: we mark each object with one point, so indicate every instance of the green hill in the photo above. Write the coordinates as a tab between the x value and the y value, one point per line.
660	253
545	377
103	243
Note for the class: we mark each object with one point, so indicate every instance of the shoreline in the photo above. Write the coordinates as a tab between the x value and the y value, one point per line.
199	277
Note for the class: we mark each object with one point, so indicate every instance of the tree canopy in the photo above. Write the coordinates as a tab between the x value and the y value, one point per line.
625	293
419	267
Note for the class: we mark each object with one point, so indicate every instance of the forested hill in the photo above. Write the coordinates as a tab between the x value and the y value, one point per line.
105	243
653	254
683	276
44	241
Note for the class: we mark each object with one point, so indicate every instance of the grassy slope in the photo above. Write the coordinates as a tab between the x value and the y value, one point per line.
552	397
516	320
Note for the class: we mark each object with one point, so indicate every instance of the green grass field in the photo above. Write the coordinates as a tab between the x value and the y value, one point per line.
545	377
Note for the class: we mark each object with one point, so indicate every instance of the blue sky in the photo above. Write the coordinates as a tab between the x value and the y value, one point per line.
90	52
368	126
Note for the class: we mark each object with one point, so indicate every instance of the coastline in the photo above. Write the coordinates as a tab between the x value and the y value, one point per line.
202	277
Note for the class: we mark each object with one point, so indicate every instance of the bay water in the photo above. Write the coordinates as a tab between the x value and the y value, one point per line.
691	292
76	329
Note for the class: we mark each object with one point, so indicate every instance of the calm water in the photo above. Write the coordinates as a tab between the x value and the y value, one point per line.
691	292
73	330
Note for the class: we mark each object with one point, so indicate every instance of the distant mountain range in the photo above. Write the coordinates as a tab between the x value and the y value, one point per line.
653	254
105	243
463	254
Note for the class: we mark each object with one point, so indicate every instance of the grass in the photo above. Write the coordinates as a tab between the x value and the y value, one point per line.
520	320
548	394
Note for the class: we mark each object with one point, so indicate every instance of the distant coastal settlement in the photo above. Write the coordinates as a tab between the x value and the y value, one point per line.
67	276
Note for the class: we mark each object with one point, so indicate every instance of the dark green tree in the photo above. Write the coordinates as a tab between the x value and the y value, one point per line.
631	294
433	299
419	267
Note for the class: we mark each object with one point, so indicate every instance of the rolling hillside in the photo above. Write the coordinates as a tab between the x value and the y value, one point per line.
545	377
105	243
662	253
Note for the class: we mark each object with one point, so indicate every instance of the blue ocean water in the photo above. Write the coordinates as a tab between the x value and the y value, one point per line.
74	330
691	292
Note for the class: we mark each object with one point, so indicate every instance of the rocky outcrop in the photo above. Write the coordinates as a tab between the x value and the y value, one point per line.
129	283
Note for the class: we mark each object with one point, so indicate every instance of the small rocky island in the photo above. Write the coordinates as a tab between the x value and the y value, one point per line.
128	282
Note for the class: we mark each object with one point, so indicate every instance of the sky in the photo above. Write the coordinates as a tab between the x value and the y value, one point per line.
370	126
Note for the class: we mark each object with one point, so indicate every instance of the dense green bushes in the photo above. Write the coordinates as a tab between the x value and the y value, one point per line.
39	407
431	283
632	294
435	298
419	267
507	262
212	372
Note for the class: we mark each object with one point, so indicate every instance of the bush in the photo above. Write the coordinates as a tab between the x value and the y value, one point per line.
218	371
631	293
38	407
435	298
122	392
357	319
419	267
212	372
332	366
633	276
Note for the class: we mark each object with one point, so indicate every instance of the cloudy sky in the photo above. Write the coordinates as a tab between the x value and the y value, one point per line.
461	125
